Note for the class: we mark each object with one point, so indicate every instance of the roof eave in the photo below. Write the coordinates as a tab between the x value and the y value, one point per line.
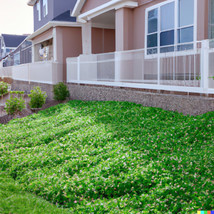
31	2
52	24
77	8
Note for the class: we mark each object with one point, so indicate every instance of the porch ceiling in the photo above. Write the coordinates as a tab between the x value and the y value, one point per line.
105	20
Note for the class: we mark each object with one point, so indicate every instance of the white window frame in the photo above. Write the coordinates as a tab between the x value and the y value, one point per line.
176	27
45	8
19	60
38	7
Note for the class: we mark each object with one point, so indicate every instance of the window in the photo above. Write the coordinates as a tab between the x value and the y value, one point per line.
17	58
170	26
38	6
45	7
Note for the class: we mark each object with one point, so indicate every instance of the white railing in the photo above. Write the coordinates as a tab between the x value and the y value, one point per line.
42	72
187	70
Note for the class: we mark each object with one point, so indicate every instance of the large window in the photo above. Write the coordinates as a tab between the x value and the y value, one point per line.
170	26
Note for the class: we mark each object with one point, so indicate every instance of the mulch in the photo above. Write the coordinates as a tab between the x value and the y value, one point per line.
4	118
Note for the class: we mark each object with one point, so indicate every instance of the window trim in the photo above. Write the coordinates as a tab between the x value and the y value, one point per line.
38	8
176	28
15	55
45	5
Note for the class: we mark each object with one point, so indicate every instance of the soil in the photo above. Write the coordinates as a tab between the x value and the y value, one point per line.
4	118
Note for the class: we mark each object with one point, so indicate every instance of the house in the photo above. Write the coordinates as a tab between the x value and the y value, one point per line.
10	42
161	29
21	55
57	35
160	46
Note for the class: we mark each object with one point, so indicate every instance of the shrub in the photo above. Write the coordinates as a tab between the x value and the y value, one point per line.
17	93
14	105
60	92
38	97
3	88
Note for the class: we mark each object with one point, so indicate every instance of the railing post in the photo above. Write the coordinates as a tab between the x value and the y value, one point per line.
205	66
117	58
78	69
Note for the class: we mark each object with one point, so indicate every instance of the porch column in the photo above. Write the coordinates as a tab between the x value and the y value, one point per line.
87	38
33	53
124	29
54	45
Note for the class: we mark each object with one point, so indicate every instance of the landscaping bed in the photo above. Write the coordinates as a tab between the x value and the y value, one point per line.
5	118
113	157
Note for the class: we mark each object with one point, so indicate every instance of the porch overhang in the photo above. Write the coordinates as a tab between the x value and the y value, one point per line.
52	25
111	5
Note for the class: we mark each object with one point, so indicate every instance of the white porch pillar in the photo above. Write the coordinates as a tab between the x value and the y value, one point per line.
87	38
33	53
54	45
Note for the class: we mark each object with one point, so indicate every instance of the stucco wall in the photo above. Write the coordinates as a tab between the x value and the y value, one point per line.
130	23
103	40
69	44
139	21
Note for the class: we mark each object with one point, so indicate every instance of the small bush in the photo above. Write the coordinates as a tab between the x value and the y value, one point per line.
38	97
14	105
3	88
60	92
17	93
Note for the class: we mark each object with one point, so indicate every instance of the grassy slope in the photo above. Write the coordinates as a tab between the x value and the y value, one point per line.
14	200
113	157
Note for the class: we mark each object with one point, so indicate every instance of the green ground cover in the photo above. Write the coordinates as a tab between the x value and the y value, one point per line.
15	201
113	157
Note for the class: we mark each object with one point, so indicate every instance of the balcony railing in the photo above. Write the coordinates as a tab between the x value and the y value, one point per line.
186	70
42	72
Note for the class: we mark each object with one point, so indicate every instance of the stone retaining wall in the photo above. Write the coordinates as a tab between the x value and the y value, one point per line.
193	104
186	103
28	86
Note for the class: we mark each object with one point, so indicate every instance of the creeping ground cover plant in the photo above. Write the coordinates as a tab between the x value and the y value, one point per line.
113	157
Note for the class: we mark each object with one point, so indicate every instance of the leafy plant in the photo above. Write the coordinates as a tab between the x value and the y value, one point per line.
38	97
60	92
14	105
113	157
3	88
17	92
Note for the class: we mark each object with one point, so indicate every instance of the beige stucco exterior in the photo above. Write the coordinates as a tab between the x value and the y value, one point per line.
103	40
130	22
67	42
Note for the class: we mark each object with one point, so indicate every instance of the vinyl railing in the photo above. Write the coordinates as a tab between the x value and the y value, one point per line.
42	72
185	70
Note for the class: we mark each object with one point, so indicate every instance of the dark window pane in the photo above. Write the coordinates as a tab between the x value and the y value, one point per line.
152	51
167	49
167	16
186	12
152	40
185	35
185	47
153	21
167	38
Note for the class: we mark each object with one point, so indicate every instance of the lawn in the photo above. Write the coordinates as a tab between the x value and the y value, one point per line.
112	157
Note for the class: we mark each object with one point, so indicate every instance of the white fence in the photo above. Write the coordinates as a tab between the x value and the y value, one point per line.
42	72
186	70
